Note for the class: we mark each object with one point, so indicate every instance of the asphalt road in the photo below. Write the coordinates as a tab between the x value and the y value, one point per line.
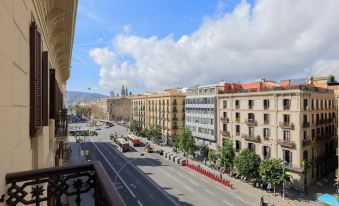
152	180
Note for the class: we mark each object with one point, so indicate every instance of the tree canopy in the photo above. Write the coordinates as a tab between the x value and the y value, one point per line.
135	126
185	141
247	163
155	134
227	154
272	171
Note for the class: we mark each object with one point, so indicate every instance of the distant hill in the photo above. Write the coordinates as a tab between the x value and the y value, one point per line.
72	96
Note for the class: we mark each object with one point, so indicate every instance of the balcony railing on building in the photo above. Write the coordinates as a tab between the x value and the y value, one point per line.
266	121
286	143
174	127
225	119
253	138
61	124
175	119
174	110
251	122
306	124
225	133
65	185
307	142
286	125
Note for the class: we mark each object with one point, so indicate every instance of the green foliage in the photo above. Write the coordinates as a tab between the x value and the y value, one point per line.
212	156
227	154
272	171
247	163
185	141
84	111
155	134
135	127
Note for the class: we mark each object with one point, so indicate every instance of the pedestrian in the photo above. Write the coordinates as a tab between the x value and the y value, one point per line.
262	201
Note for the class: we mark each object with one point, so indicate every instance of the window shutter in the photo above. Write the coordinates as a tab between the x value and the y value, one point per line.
35	82
45	88
52	93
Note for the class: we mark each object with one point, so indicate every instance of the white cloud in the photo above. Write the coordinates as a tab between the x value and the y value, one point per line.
273	39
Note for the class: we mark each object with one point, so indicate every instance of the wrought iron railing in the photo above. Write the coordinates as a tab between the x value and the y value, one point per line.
61	123
56	186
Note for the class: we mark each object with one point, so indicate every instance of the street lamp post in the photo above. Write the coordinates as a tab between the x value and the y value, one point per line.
283	163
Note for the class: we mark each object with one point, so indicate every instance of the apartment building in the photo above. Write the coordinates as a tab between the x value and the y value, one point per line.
139	109
295	123
167	110
201	112
35	53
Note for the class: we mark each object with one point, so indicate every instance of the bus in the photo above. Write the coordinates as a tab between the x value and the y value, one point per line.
122	144
133	140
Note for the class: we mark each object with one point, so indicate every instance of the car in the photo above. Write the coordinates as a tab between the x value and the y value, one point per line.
97	128
112	135
148	149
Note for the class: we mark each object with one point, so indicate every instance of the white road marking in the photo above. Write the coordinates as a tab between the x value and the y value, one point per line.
180	174
139	203
227	203
191	173
203	179
209	192
194	182
113	169
190	189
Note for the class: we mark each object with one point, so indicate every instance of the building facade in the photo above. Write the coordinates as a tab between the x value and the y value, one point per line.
139	109
201	111
35	53
119	108
296	124
167	110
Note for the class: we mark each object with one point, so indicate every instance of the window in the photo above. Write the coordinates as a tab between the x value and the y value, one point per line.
251	146
305	104
287	135
266	152
250	104
286	118
266	103
312	103
305	155
35	126
287	156
237	129
250	116
237	104
237	117
237	145
224	127
266	133
224	104
266	118
287	104
224	114
251	131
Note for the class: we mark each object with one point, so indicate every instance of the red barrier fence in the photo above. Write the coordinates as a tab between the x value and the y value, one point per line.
210	175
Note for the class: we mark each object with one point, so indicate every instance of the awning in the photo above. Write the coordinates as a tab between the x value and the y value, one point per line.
328	199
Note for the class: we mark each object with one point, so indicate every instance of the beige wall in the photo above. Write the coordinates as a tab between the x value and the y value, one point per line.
18	150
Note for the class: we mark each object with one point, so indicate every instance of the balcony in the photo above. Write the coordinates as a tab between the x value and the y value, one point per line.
174	127
175	119
56	186
267	122
307	142
225	133
287	107
253	138
251	122
174	110
306	124
174	103
286	143
286	125
237	120
225	119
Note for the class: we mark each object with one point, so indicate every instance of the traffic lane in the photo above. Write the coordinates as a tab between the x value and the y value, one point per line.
203	185
147	191
125	194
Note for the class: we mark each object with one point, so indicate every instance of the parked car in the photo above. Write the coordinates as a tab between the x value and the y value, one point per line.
97	128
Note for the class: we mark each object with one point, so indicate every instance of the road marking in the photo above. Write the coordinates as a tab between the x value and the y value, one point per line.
227	203
150	180
203	179
113	169
209	192
190	189
194	182
181	175
191	173
139	203
166	173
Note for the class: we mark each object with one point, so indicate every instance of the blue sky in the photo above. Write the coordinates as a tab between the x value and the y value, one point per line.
150	45
99	21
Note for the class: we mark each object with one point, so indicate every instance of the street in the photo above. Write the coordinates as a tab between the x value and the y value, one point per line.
153	180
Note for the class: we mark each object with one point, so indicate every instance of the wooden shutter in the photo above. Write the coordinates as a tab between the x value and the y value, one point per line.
52	93
45	88
35	82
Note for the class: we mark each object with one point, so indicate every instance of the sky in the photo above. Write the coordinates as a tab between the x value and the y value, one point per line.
151	45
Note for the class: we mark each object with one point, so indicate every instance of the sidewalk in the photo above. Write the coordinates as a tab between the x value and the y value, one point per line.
294	199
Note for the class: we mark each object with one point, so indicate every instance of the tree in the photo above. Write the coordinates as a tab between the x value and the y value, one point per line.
212	156
135	127
227	155
185	141
155	134
247	163
272	171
